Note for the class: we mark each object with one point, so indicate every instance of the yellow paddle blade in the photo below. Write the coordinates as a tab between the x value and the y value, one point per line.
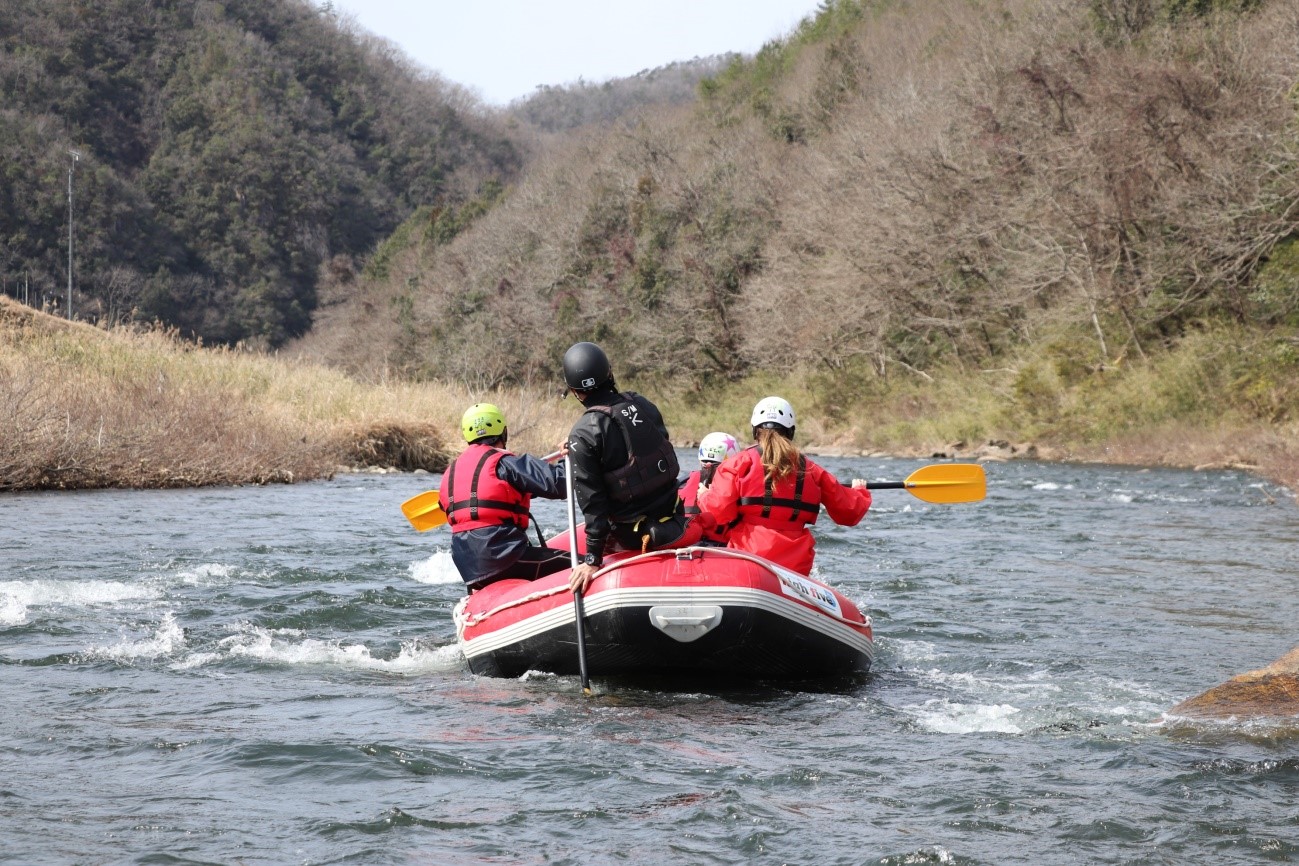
948	483
424	512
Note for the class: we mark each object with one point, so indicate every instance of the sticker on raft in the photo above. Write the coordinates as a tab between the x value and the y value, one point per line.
810	592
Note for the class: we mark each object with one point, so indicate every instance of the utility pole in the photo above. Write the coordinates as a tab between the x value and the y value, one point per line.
76	155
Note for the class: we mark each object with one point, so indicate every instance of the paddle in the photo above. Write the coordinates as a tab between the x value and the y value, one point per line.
943	483
425	512
578	613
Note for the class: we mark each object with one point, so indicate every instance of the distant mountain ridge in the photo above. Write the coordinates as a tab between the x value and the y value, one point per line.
555	108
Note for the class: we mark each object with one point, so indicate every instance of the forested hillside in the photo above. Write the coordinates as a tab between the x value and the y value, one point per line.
231	154
559	107
1035	194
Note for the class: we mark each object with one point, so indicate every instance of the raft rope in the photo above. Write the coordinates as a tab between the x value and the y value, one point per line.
467	622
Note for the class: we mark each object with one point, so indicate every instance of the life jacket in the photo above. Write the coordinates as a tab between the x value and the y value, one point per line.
788	504
651	460
689	494
476	498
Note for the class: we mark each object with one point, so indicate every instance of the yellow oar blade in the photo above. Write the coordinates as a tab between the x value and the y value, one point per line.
424	512
948	483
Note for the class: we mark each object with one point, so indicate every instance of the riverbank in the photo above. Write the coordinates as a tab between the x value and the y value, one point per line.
144	409
90	408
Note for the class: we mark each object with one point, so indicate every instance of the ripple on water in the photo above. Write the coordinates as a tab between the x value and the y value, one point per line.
280	669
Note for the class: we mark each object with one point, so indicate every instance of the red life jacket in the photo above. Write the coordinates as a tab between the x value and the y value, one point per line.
473	497
689	493
789	504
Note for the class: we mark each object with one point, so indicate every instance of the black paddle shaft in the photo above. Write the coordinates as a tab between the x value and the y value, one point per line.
880	485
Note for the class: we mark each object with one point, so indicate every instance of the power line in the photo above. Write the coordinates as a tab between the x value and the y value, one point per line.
76	155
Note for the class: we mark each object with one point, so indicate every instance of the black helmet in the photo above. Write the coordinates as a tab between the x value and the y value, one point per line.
586	367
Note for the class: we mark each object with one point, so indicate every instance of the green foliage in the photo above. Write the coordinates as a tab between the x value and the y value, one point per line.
1275	297
433	225
751	83
449	221
1037	390
1265	382
230	150
378	264
1198	8
1122	20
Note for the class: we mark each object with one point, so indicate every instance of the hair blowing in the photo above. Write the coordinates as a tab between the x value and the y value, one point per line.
779	454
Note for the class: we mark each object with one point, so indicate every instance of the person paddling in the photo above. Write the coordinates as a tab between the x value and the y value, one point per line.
486	493
713	449
770	493
624	467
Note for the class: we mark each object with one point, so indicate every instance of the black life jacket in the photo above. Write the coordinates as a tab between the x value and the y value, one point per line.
651	460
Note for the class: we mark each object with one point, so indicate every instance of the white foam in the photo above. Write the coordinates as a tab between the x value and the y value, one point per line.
12	611
167	639
950	718
538	675
1121	497
291	647
936	854
206	574
437	569
1051	485
914	650
17	597
1032	684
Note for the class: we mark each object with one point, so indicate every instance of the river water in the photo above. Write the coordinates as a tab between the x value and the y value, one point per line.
269	675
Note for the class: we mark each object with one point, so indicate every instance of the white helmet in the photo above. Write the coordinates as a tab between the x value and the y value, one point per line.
716	447
773	410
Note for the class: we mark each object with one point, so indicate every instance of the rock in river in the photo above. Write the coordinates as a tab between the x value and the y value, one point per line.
1270	692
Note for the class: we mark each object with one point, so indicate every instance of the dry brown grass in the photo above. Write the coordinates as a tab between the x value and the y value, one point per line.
90	408
1271	452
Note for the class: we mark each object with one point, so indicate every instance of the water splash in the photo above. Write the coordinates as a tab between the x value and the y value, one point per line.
437	569
942	717
18	597
167	639
292	647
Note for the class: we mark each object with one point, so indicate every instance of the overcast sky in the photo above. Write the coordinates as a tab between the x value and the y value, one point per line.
504	49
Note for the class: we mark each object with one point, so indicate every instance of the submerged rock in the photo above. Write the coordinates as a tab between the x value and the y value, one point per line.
1270	692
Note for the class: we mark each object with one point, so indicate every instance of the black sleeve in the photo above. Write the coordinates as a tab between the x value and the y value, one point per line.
527	473
587	455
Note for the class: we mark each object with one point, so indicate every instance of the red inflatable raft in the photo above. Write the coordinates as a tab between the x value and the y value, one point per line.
705	611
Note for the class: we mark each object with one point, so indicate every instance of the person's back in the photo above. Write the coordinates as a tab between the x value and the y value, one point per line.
770	493
714	449
624	467
486	494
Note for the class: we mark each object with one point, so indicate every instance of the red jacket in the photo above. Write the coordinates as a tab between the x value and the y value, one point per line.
690	499
473	497
774	524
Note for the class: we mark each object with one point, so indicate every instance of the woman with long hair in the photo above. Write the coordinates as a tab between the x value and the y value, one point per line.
770	493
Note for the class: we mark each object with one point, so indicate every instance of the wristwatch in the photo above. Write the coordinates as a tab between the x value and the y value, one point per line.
589	559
